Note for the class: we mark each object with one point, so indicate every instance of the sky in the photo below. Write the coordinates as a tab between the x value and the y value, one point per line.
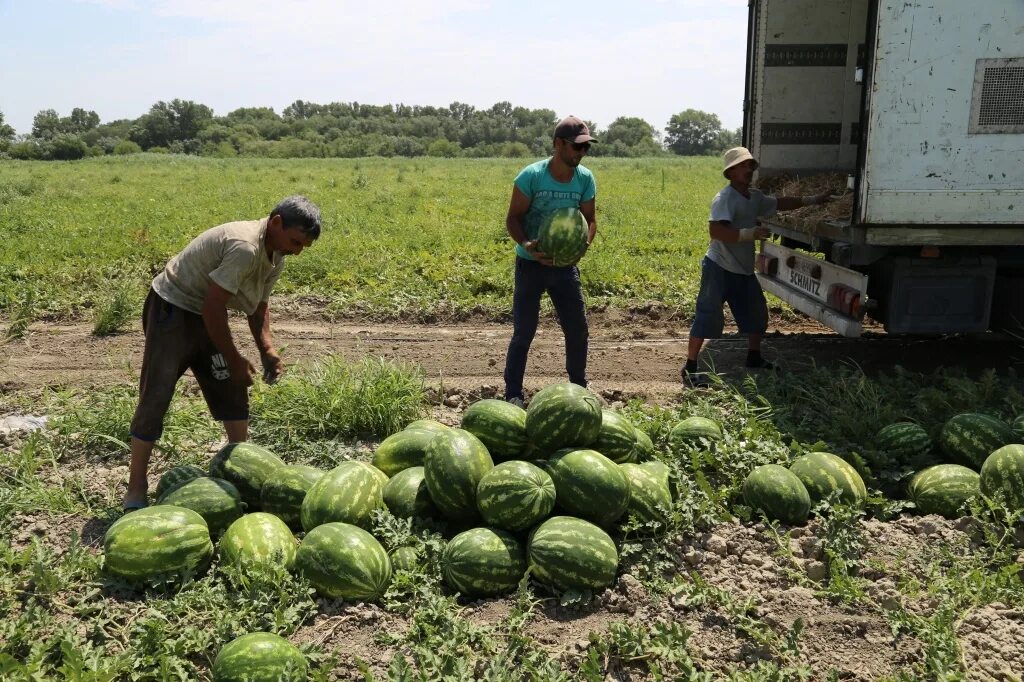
598	60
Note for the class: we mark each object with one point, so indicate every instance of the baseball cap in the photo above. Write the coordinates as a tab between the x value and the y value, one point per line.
573	129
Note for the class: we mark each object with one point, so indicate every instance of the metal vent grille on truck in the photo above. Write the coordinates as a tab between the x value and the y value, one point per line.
997	105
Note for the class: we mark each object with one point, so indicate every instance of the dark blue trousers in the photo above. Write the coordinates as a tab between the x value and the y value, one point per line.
563	286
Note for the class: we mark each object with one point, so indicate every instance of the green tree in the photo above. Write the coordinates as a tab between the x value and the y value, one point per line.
693	132
631	131
6	133
46	124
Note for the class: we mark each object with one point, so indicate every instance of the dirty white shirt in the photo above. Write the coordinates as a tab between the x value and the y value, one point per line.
740	212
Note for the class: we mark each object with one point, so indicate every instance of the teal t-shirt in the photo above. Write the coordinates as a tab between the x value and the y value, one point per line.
547	194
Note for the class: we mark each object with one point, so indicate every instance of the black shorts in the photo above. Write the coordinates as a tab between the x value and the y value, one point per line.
176	340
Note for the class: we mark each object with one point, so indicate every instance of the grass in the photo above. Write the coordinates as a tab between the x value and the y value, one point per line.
402	238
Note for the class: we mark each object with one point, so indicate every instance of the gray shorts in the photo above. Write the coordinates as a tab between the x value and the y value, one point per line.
176	340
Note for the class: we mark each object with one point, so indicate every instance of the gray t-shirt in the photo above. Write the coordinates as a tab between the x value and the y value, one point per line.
234	256
740	212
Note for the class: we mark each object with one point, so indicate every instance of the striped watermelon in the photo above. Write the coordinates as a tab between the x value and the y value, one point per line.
563	415
216	500
515	495
175	477
455	463
661	470
589	485
822	472
483	562
617	438
691	430
282	495
644	447
349	493
344	561
259	657
156	541
406	495
499	425
405	559
1018	427
247	467
649	497
1002	474
903	441
970	437
403	450
563	236
944	489
427	425
778	493
260	538
569	553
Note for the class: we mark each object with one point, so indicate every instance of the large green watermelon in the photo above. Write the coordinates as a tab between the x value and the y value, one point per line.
691	430
348	493
247	466
822	473
175	477
344	561
402	450
969	438
259	657
500	426
260	538
944	489
483	562
563	236
617	438
644	447
661	470
779	493
515	495
406	494
282	494
455	463
589	485
405	559
903	441
216	500
563	415
156	541
649	496
1003	474
570	553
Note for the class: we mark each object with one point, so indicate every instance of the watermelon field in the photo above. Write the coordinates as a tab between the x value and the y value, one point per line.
857	516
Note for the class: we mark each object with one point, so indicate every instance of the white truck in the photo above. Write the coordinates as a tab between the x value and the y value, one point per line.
919	105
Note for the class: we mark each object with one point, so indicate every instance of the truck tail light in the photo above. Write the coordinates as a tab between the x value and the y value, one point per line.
845	299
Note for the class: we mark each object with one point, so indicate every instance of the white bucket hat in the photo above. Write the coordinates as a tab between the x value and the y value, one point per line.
736	156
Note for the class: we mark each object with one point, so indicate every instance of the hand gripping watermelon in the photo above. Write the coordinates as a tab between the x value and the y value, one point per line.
563	236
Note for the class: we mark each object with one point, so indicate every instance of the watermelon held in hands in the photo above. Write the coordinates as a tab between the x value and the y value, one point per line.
778	493
348	493
282	494
563	236
970	437
944	489
1002	475
216	500
483	562
589	485
500	426
259	657
157	541
515	495
344	561
247	466
258	538
569	553
823	473
563	415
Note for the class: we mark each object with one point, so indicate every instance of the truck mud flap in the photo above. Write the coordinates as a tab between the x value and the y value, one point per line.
833	295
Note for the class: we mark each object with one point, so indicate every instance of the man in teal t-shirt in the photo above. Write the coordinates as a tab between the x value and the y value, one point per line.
542	187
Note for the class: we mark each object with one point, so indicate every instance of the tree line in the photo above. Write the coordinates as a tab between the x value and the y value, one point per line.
349	129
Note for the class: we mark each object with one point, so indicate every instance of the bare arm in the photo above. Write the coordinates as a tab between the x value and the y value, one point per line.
215	319
517	209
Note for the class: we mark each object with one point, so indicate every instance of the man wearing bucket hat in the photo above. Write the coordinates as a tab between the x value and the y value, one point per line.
558	181
727	271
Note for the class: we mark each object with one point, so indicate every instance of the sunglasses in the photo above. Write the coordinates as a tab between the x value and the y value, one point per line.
579	146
